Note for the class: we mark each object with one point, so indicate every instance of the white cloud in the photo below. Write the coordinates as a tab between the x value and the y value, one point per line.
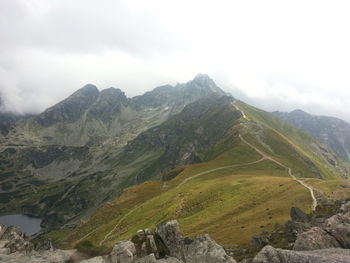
280	54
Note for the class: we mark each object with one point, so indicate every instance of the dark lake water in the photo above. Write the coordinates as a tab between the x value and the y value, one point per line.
29	225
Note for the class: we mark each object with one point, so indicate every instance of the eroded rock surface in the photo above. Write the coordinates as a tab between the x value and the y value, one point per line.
275	255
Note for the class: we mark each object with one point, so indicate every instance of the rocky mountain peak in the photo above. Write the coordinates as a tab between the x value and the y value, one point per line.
203	79
205	84
87	90
108	105
114	93
72	108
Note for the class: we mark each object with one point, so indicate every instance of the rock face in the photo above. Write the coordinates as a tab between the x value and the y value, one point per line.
200	249
333	233
315	238
324	240
204	249
331	131
166	245
123	251
274	255
70	109
98	259
171	235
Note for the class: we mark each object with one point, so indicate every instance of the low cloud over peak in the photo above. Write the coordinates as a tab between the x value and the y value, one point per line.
269	58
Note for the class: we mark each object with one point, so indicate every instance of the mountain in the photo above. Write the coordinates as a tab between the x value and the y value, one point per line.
89	147
7	121
333	132
91	117
98	166
246	182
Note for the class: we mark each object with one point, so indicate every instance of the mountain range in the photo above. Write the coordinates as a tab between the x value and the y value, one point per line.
333	132
98	166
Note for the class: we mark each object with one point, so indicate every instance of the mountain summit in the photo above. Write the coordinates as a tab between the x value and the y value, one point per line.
90	116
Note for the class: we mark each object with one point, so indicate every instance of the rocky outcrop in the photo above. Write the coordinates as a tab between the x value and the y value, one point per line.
171	235
15	247
165	245
98	259
333	233
204	249
274	255
324	240
315	238
56	256
200	249
123	251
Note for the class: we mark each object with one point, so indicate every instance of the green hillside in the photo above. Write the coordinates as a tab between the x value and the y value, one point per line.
241	188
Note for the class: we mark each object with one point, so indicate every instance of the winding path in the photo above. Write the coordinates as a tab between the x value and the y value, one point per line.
183	182
266	156
219	168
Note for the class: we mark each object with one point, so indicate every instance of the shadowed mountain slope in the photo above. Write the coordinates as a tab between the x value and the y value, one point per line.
333	132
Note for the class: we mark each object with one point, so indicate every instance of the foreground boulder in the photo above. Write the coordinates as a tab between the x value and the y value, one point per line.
204	249
56	256
170	234
152	259
201	249
333	233
315	238
98	259
275	255
167	245
123	251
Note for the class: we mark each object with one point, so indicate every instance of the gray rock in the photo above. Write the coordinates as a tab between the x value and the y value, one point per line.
94	260
171	235
152	259
169	260
147	259
5	251
339	227
345	208
144	243
341	233
315	238
123	252
16	240
274	255
201	249
56	256
3	243
204	249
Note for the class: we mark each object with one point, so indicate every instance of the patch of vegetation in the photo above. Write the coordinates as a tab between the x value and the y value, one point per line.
172	173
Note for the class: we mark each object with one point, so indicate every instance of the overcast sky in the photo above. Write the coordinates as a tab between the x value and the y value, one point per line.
278	55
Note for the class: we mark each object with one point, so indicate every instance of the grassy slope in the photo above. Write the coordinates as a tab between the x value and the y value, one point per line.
305	144
231	204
